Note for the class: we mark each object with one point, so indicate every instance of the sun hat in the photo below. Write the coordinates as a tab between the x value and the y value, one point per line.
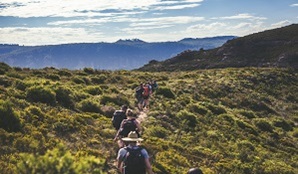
132	136
195	171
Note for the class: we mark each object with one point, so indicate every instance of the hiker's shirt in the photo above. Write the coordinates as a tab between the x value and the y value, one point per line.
122	152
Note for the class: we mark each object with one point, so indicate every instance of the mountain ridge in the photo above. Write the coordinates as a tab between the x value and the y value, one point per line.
122	54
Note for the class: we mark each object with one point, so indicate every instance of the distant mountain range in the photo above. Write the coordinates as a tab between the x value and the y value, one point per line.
123	54
271	48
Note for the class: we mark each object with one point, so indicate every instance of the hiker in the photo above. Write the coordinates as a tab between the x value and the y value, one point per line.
133	159
194	171
128	125
154	85
146	94
139	97
119	116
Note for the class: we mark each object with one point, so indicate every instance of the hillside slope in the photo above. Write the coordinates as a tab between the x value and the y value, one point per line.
222	120
271	48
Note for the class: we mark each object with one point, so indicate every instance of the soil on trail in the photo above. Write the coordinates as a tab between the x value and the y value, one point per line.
142	117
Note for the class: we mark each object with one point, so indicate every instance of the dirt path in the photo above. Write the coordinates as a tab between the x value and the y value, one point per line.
142	117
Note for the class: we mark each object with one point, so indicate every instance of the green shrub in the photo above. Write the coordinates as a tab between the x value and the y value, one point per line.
78	80
166	92
9	120
188	117
93	90
4	81
295	133
215	109
4	68
64	73
59	161
89	70
247	114
283	124
99	79
64	97
20	85
271	166
34	112
157	131
116	99
263	125
41	94
196	108
53	77
89	106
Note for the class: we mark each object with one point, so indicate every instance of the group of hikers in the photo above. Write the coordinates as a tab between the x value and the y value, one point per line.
132	158
143	93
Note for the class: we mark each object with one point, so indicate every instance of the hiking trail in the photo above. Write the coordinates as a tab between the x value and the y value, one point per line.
142	117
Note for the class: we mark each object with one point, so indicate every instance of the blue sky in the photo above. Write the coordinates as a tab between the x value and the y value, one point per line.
48	22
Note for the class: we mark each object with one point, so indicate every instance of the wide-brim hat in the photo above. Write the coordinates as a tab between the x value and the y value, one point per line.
132	136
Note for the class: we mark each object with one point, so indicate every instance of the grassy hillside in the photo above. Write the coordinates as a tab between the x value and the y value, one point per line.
272	48
222	120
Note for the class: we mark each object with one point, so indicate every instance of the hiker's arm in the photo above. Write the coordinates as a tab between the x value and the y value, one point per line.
120	160
148	166
119	166
117	134
138	126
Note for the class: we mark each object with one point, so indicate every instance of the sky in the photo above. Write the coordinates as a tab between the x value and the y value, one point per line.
52	22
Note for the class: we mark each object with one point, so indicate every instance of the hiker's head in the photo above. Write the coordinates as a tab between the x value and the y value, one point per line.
132	137
124	107
194	171
130	113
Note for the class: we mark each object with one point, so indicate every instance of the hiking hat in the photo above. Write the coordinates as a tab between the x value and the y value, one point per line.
195	171
132	136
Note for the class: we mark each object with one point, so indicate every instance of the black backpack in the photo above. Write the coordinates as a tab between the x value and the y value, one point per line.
118	117
128	126
139	92
134	161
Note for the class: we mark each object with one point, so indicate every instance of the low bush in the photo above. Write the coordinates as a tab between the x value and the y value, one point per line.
64	97
41	94
283	124
189	119
89	106
93	90
9	120
59	161
116	99
263	124
157	131
166	92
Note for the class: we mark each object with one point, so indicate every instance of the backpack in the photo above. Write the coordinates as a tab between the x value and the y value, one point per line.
146	91
128	126
139	92
118	117
134	161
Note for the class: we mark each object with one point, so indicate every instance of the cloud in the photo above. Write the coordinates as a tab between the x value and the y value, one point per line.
46	36
224	28
177	7
281	24
294	5
241	16
79	8
166	21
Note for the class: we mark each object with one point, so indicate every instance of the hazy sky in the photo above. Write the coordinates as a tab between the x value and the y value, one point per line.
43	22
